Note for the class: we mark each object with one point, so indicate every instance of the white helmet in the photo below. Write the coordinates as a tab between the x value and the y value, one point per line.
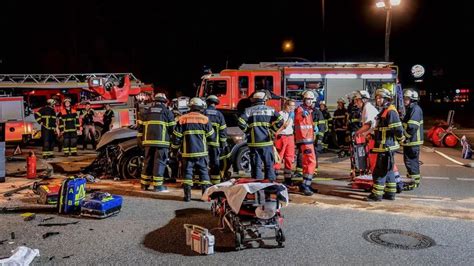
411	94
161	97
51	101
384	93
361	95
197	104
259	96
308	95
341	100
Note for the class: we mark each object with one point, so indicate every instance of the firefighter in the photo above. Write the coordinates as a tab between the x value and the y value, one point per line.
192	133
388	132
285	140
327	117
155	130
413	125
305	132
220	129
88	126
321	123
256	122
340	124
69	125
46	117
108	119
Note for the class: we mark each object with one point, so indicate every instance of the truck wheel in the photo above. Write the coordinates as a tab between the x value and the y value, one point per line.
242	160
130	166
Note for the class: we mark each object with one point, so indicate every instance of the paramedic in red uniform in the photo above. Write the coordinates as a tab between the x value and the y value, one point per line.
285	141
304	138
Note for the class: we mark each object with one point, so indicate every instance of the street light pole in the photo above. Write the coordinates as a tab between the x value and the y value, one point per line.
387	6
388	26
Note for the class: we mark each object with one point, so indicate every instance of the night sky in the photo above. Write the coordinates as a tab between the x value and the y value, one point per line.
168	45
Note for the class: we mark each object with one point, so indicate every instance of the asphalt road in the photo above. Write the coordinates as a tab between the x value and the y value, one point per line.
150	231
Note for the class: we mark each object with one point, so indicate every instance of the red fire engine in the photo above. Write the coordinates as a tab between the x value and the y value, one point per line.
117	89
330	80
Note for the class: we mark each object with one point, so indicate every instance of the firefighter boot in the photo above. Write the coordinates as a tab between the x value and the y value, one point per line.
373	198
388	196
204	187
161	189
306	190
144	187
187	193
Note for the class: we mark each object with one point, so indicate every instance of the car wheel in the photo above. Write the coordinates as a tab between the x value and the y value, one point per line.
130	166
242	160
98	133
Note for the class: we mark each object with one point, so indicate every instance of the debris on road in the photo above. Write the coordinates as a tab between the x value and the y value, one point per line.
48	234
58	224
28	216
21	256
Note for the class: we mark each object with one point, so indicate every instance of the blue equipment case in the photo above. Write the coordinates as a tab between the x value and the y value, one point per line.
101	205
71	195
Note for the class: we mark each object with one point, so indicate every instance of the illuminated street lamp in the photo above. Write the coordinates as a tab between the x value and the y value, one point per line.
287	46
387	5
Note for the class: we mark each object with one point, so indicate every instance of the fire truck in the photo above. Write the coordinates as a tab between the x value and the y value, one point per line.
117	89
288	80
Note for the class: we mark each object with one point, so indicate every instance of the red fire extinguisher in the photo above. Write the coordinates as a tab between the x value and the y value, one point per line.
31	166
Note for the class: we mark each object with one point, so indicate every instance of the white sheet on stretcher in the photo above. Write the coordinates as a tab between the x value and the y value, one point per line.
235	193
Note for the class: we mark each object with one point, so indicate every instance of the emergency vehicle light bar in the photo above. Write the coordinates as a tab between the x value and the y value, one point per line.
305	76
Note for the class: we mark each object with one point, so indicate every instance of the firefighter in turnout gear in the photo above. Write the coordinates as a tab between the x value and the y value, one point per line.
155	130
388	132
108	119
321	123
192	134
413	125
306	129
220	129
256	122
88	126
46	117
340	120
68	126
328	123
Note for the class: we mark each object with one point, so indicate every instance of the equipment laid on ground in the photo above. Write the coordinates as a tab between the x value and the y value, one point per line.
360	165
71	195
441	134
101	205
31	165
199	239
48	194
247	206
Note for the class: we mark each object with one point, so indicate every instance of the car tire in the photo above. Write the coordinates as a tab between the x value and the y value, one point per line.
98	133
130	166
242	160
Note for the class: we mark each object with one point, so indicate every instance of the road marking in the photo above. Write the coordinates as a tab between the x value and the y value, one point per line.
453	165
449	158
465	179
427	199
435	177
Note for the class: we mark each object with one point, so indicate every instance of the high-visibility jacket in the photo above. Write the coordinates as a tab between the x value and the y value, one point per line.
340	119
156	126
257	121
328	118
219	126
306	120
388	130
46	116
413	125
69	121
355	117
320	122
192	133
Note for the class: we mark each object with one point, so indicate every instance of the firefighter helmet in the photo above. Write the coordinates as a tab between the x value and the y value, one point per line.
308	95
341	100
411	94
384	93
197	103
67	100
212	99
51	101
361	95
161	97
259	96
